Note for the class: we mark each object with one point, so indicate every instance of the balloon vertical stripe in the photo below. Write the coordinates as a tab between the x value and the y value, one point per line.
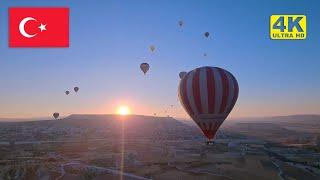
184	95
225	90
235	93
196	90
218	90
231	93
211	90
190	96
203	90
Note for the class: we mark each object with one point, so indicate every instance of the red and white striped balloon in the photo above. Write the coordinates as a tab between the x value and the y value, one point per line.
208	94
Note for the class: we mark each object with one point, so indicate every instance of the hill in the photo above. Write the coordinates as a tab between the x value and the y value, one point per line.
104	126
301	118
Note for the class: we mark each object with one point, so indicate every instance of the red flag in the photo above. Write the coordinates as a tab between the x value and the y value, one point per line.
38	27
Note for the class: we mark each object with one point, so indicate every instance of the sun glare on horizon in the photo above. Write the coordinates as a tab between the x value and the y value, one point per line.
123	110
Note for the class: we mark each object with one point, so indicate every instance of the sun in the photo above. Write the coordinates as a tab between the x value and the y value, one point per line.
123	110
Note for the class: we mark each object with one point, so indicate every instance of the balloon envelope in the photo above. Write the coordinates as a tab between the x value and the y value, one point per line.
180	23
206	34
182	74
152	48
67	92
55	115
144	67
208	95
76	89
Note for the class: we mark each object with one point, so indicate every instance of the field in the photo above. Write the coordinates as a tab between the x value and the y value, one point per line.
143	147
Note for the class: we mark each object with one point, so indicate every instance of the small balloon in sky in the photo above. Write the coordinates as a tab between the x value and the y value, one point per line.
144	67
206	34
55	115
76	89
67	92
152	48
182	74
180	23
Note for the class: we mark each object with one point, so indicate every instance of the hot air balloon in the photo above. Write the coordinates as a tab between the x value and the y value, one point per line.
180	23
152	48
67	92
144	67
208	95
206	34
55	115
76	89
205	54
182	74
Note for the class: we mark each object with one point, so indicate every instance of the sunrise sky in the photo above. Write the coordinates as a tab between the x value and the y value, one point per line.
109	39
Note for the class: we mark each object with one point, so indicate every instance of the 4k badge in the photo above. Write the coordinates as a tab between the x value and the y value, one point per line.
288	27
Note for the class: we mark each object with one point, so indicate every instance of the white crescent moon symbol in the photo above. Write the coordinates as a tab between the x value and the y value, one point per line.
21	27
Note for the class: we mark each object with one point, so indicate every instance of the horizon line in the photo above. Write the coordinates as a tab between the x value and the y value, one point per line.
16	119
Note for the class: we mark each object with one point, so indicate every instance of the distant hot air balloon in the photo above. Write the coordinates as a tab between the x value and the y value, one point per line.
152	48
144	67
55	115
205	54
67	92
182	74
76	89
180	23
206	34
208	95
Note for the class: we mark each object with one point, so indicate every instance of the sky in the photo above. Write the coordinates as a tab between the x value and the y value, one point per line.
109	39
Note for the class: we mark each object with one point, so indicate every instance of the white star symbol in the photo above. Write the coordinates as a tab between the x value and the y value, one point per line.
42	27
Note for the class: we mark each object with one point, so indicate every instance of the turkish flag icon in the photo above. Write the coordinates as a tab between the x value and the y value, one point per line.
39	27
